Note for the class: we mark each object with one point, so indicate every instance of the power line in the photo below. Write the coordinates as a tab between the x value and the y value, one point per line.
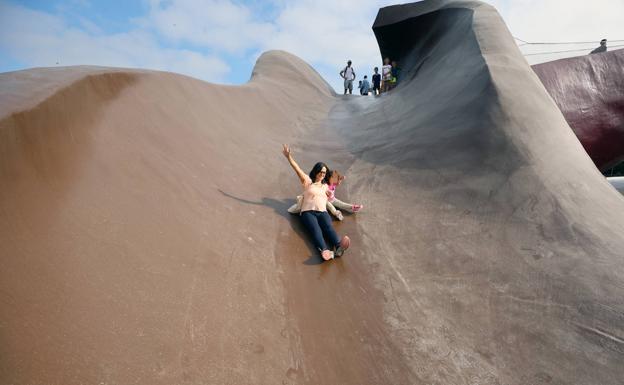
564	42
570	50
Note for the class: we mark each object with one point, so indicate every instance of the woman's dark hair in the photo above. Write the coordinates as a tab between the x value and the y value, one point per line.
316	169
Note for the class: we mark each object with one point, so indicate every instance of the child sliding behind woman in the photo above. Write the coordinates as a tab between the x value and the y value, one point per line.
333	180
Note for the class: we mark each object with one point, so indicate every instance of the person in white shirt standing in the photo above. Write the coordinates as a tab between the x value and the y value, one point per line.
348	74
386	75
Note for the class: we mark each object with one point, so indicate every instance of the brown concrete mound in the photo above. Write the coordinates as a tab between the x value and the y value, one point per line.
145	238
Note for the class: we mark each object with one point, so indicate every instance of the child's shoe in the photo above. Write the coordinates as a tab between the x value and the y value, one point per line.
357	208
339	215
345	242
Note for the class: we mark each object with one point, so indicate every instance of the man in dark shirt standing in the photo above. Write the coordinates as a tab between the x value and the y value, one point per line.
376	82
602	48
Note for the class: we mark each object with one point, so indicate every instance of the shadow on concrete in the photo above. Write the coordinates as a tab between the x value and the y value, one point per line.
281	208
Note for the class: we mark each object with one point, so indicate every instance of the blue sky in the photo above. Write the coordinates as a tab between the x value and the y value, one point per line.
219	40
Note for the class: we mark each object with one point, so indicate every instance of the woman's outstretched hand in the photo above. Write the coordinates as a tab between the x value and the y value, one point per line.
293	164
286	151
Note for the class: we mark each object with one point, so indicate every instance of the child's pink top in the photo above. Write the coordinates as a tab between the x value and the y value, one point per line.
314	196
332	192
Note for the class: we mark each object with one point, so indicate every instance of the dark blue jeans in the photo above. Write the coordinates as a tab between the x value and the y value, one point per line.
319	224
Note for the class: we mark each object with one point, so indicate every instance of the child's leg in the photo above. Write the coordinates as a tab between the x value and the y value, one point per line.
332	210
296	208
348	207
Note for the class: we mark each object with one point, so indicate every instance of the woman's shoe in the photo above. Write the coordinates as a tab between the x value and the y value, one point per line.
327	254
345	242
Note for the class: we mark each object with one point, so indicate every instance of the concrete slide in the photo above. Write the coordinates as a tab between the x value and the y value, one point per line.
145	237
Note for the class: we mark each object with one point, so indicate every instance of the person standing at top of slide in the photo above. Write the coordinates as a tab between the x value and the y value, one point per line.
348	74
386	75
364	86
376	82
394	77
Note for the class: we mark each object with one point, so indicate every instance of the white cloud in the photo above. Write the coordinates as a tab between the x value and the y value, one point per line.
218	24
40	39
325	33
562	21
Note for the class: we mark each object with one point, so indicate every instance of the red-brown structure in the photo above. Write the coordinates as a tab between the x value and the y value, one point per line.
589	91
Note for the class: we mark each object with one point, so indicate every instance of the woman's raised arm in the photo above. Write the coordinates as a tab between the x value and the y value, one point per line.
295	166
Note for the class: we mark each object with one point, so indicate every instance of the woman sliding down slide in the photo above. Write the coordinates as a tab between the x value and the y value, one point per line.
333	180
314	209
